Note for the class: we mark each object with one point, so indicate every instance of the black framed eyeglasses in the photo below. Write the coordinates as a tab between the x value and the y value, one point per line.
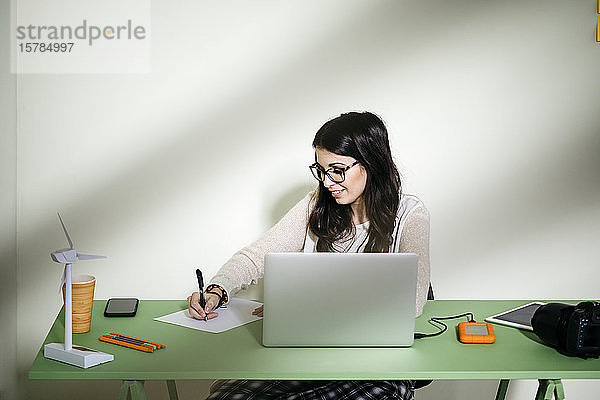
335	174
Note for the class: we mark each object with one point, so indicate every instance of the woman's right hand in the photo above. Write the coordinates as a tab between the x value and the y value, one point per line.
196	311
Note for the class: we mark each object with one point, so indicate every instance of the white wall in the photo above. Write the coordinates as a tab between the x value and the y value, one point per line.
493	113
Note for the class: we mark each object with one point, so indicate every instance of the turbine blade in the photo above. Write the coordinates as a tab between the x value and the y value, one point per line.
88	256
65	229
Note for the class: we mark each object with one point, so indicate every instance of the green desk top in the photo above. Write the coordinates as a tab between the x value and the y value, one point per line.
238	353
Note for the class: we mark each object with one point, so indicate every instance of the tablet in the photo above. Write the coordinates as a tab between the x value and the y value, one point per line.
519	317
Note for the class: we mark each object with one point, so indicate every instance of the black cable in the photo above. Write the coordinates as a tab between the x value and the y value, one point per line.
437	320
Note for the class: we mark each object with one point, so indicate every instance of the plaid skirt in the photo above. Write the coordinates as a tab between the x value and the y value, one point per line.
311	390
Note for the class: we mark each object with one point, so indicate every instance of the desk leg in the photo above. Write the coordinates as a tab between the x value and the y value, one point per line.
559	392
172	390
133	390
549	388
502	389
545	390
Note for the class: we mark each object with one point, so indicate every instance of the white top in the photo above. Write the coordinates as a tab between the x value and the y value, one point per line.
291	234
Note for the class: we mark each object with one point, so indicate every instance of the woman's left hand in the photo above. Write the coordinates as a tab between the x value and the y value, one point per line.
258	311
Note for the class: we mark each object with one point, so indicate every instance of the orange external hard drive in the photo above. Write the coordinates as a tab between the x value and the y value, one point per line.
476	332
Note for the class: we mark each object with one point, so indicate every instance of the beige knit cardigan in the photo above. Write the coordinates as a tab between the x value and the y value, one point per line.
291	234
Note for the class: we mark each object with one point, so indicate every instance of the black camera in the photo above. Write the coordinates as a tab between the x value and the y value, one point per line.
573	330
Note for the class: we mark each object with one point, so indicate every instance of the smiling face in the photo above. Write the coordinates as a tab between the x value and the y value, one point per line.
349	191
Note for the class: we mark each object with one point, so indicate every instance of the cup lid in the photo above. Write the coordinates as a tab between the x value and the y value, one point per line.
82	278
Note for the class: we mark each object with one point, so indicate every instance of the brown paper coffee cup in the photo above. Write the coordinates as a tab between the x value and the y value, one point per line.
83	299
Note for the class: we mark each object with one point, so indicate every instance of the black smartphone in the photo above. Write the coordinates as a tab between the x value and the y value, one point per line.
121	307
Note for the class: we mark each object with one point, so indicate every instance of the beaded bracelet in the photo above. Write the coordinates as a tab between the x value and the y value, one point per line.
222	298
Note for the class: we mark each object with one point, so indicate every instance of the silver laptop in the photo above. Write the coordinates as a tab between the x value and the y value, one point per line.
339	299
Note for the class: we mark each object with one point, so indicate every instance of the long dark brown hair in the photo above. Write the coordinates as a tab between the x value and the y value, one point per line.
364	137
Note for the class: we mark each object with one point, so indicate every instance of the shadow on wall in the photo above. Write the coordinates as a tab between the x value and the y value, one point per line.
288	200
192	147
561	181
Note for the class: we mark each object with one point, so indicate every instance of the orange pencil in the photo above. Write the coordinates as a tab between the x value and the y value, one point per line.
158	345
108	339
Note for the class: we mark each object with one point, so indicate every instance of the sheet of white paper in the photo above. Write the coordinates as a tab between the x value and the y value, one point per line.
237	313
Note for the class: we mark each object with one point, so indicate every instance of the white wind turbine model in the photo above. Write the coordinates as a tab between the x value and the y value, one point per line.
67	353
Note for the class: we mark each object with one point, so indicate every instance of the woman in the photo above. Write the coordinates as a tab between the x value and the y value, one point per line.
357	207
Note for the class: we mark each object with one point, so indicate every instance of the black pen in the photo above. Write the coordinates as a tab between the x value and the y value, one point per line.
201	287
